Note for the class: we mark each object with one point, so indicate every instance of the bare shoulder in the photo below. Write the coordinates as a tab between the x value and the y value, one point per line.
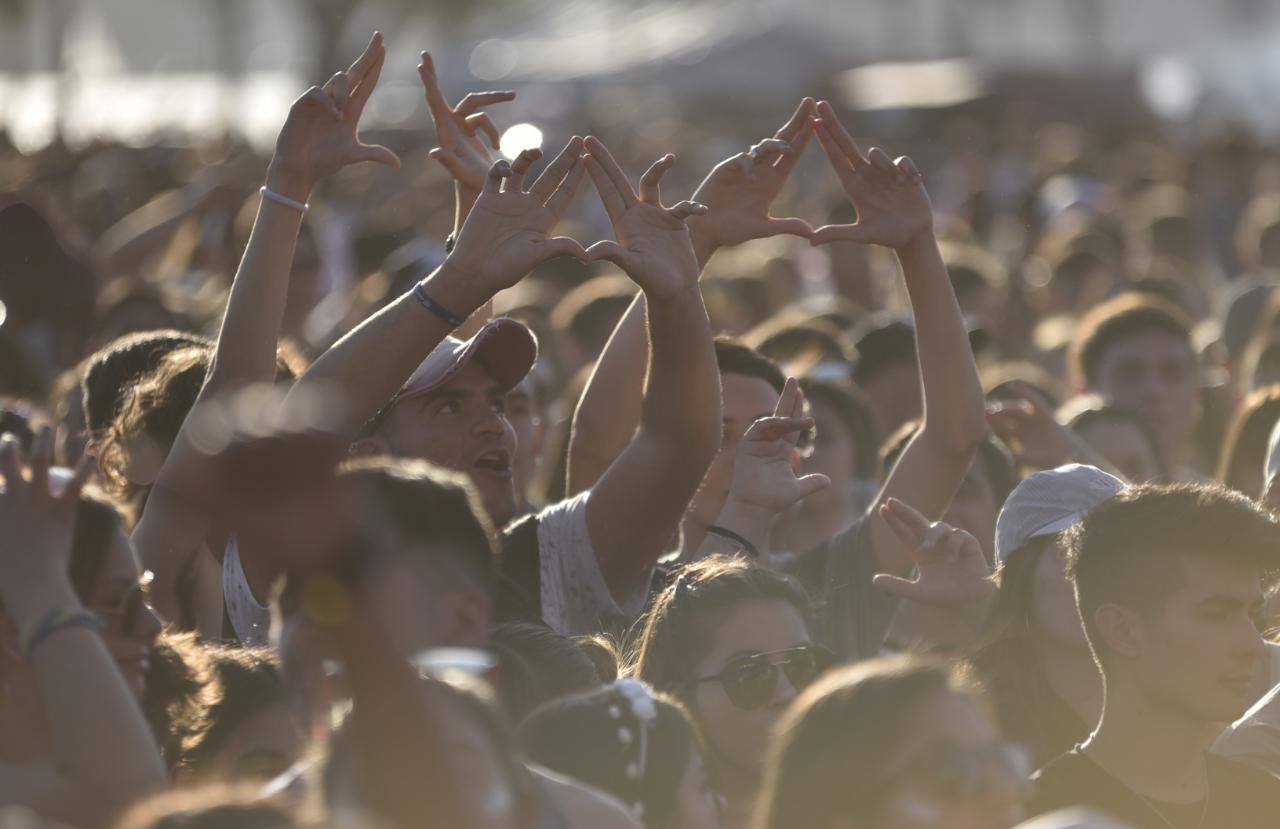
584	806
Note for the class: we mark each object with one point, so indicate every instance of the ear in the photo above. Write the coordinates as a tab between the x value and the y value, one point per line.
1121	629
369	447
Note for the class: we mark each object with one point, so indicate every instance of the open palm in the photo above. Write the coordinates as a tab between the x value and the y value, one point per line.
951	570
764	471
508	230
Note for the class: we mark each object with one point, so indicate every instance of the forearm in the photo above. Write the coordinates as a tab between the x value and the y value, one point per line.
954	406
609	411
101	743
370	364
681	410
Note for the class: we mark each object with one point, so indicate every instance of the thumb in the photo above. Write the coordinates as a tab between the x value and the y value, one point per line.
379	154
562	246
895	586
609	251
794	227
839	233
448	161
810	484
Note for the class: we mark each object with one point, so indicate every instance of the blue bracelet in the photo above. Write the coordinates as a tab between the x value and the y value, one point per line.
59	618
420	294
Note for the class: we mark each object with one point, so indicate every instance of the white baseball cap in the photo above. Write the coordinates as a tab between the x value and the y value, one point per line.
1048	502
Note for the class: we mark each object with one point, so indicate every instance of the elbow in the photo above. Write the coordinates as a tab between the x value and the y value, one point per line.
956	438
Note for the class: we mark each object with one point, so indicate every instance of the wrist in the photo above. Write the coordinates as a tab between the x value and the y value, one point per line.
456	289
920	244
288	181
34	601
753	522
465	198
704	243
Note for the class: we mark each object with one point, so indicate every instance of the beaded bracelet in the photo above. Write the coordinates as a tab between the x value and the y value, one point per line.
55	620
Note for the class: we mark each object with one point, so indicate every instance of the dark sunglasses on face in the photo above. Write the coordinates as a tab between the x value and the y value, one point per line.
752	681
965	772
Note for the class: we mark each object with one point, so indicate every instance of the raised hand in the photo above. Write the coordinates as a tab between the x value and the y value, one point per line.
740	190
38	522
1029	429
653	244
461	132
951	570
764	470
321	136
506	234
889	196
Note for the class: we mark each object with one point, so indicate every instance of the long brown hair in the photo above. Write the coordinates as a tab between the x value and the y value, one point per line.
1245	447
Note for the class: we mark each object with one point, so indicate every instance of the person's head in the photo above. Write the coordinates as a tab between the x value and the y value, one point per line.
108	582
751	385
1079	280
1257	237
891	744
1242	464
732	641
1171	576
978	280
537	665
1136	351
587	315
1123	439
886	371
633	744
113	369
846	444
428	563
248	732
452	411
991	477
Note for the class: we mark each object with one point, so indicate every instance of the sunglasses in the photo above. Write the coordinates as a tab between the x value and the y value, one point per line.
964	772
751	682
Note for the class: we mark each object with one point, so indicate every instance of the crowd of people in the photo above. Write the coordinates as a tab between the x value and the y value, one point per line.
954	511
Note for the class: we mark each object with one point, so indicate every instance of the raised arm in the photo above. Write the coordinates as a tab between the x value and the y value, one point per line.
636	506
893	210
738	193
319	138
103	756
504	237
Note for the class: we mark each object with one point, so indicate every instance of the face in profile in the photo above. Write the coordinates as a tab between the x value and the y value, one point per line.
758	657
952	771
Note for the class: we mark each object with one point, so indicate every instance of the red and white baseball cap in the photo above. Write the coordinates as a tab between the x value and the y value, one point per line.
506	348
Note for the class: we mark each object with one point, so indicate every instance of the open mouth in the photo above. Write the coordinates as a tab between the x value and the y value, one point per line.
496	462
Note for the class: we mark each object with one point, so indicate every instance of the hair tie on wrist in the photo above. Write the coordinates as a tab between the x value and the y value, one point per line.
747	546
268	193
60	618
420	294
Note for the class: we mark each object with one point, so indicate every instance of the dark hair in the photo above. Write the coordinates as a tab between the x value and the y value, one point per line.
852	406
1117	320
674	631
786	340
830	751
245	681
537	665
428	507
1245	447
113	369
581	737
882	344
735	357
589	313
1129	549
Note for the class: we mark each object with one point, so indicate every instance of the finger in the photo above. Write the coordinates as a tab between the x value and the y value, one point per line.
554	173
685	209
909	515
842	137
797	122
880	159
840	233
609	251
337	88
844	169
441	112
41	459
521	166
473	101
363	86
793	227
449	161
787	400
613	203
611	168
79	477
786	162
562	246
651	181
769	429
810	484
567	189
371	55
379	154
933	537
895	586
910	536
770	150
317	97
745	164
906	165
497	174
10	466
480	122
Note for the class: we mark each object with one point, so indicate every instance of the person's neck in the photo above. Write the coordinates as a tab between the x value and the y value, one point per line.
1156	751
1074	677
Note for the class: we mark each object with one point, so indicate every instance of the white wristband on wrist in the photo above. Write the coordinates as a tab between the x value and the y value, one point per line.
268	193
